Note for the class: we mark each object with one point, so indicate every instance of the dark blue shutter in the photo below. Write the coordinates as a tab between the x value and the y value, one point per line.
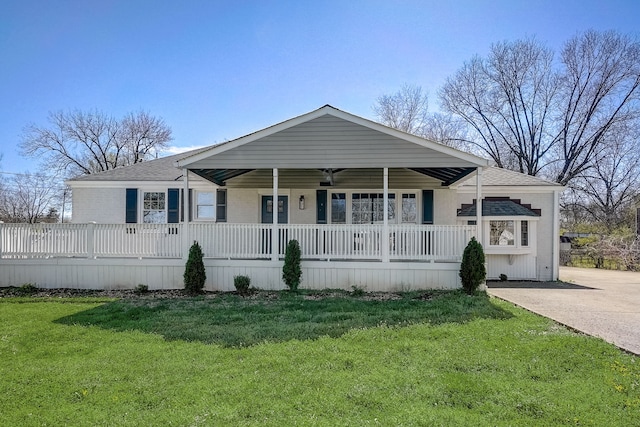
131	206
221	205
173	205
427	206
321	206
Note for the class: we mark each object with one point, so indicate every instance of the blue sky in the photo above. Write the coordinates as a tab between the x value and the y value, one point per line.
217	70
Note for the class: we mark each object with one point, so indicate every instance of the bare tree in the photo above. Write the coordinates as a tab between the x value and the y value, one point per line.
533	115
82	143
507	99
606	190
600	90
405	110
446	129
28	198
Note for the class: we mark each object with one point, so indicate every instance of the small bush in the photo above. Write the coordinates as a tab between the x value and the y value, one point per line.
503	277
194	272
242	284
27	289
357	291
141	289
472	268
292	271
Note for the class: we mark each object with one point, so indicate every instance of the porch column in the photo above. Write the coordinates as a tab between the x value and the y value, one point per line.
186	244
385	209
479	227
274	210
555	243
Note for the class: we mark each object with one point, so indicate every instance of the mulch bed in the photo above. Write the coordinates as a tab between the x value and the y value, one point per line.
8	292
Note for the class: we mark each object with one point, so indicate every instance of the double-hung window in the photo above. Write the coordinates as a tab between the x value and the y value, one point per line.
205	208
154	207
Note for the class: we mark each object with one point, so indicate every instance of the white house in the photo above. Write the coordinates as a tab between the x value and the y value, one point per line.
370	206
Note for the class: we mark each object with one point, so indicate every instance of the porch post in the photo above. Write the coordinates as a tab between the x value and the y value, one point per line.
555	243
185	214
274	227
479	227
385	209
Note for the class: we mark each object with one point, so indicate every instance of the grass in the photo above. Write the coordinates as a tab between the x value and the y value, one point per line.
285	359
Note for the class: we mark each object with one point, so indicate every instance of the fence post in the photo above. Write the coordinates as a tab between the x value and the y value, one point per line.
90	239
1	239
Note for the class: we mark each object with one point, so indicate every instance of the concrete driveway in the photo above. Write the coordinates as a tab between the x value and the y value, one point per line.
601	303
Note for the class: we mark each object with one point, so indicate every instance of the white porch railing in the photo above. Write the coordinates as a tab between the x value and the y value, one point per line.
234	241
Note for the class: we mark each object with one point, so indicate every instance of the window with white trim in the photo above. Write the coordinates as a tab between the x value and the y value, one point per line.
154	207
509	233
409	208
205	207
367	208
338	208
524	233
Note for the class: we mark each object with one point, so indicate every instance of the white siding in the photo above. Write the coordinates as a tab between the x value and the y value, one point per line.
118	273
100	205
329	142
516	267
444	207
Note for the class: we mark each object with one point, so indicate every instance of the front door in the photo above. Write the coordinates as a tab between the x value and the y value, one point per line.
267	209
267	218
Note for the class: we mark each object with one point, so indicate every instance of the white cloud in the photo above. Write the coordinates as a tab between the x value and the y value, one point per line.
177	150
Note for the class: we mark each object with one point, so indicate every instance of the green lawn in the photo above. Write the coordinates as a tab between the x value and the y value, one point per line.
441	358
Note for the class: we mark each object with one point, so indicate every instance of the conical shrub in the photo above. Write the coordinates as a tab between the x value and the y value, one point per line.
194	272
472	269
292	270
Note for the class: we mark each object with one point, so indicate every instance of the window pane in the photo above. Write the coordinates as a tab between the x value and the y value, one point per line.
501	233
205	198
153	217
153	208
205	211
524	233
338	208
409	208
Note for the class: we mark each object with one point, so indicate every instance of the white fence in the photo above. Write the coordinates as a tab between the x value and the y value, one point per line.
406	242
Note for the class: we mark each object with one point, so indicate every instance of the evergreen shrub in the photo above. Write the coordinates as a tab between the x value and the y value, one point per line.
472	270
194	272
292	271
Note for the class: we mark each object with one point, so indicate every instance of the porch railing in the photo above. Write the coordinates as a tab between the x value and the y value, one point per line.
235	241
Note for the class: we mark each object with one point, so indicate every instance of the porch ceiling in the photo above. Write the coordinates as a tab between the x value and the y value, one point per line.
448	176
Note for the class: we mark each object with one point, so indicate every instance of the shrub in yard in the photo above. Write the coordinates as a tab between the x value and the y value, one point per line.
472	269
141	289
503	277
357	291
194	272
242	284
27	289
292	272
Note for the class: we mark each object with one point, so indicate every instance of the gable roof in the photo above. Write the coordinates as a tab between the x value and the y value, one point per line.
329	138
